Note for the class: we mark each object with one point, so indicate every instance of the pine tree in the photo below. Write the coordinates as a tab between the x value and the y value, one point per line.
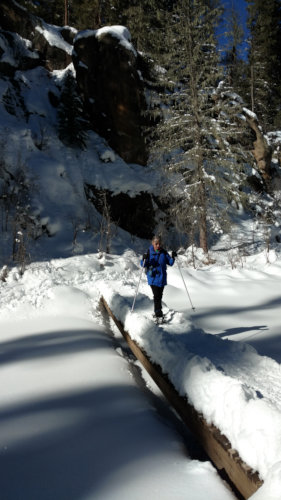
81	14
146	20
52	11
234	57
85	14
264	24
195	138
71	125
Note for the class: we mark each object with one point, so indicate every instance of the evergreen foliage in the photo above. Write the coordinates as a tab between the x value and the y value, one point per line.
81	14
52	11
147	21
17	223
14	102
200	133
264	23
71	125
85	14
234	57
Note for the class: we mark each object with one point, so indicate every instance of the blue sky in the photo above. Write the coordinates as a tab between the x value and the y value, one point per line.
241	7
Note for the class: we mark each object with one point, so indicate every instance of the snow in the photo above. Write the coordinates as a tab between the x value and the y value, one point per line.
54	37
250	113
55	348
79	417
108	156
234	387
20	49
58	194
74	422
120	32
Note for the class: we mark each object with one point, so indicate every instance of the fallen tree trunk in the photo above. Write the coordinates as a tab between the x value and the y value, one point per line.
216	445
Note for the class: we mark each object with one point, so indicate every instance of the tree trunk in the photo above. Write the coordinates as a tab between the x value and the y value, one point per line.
262	150
66	12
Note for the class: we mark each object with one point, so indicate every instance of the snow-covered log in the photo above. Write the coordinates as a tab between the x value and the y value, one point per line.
216	445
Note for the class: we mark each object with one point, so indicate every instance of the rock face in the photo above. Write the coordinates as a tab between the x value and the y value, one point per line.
108	78
14	18
111	88
106	67
135	215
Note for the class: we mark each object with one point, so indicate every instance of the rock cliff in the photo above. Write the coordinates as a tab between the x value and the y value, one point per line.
106	66
110	85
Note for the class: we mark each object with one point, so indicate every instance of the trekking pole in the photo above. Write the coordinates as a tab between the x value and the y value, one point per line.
193	308
137	290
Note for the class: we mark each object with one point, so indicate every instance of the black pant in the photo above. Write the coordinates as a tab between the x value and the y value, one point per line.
157	297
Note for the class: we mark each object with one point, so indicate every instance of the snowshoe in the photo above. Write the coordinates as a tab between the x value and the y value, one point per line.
159	320
166	318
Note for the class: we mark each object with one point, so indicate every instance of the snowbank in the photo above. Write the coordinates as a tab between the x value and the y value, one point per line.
220	378
74	422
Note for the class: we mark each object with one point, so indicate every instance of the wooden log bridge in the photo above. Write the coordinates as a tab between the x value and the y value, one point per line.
215	444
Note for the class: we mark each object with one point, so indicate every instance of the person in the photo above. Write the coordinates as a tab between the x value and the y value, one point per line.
155	262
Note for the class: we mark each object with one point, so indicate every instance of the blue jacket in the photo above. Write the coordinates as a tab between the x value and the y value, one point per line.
156	266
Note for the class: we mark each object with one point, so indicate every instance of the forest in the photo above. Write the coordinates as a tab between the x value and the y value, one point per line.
213	94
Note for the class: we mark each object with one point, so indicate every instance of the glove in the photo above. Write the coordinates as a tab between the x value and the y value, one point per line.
145	256
174	255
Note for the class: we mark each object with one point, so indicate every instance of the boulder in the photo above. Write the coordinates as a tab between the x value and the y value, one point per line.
15	54
53	57
107	74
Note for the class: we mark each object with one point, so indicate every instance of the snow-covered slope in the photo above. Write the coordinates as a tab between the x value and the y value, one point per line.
50	311
73	422
56	175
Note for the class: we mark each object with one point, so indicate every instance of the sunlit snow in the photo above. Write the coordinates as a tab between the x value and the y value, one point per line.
76	420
